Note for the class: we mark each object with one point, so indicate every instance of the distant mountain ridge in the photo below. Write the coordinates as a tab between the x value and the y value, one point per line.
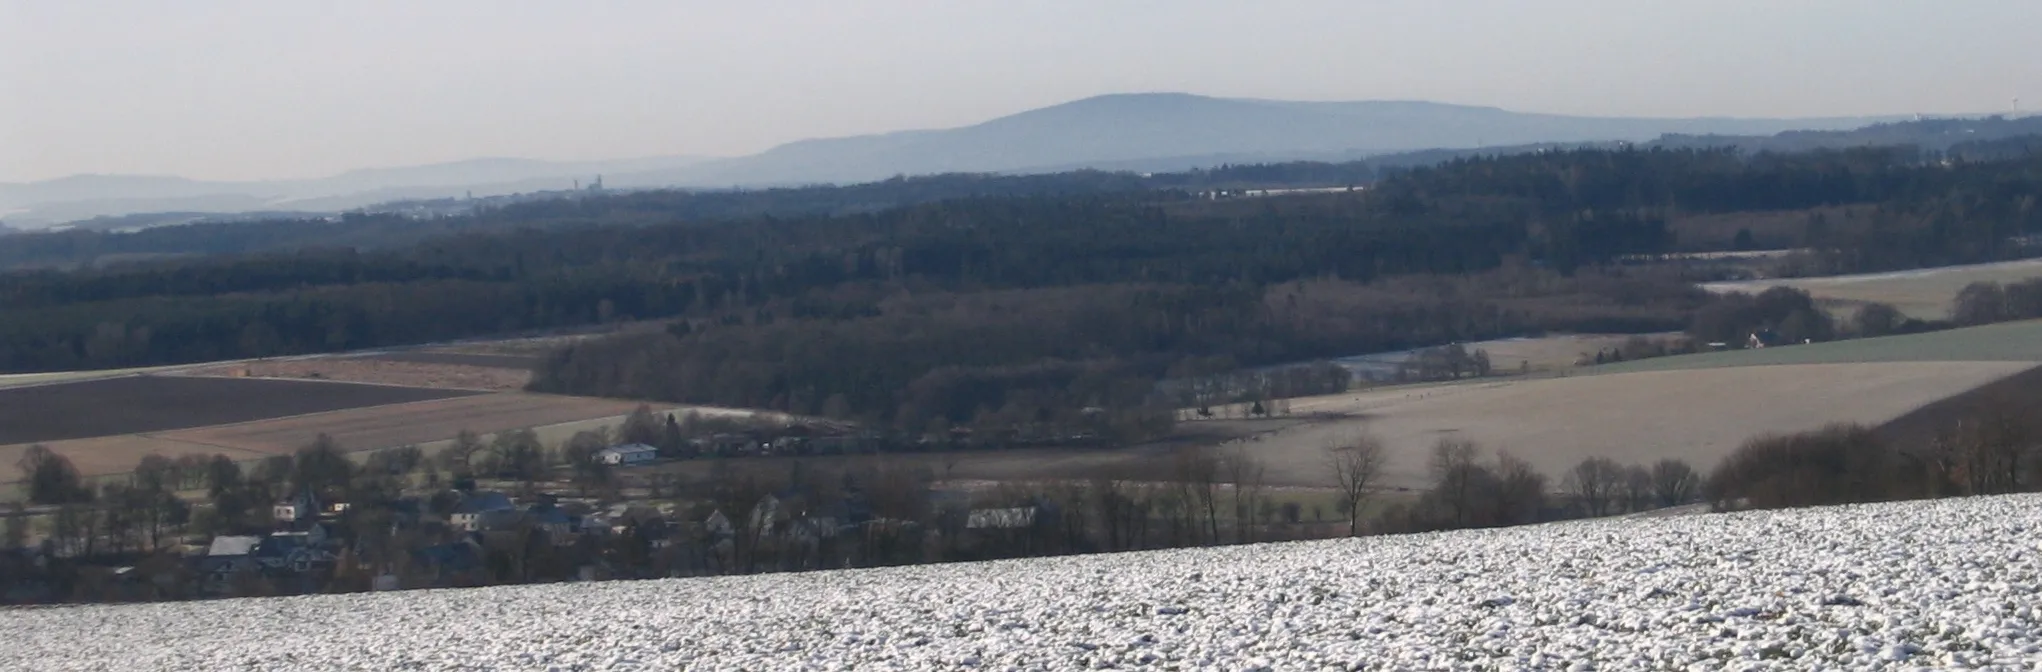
1135	128
84	196
1142	132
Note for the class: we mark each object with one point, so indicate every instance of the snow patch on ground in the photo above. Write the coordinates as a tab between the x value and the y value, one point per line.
1943	584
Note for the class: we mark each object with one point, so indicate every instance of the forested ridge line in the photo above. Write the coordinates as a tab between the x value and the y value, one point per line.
631	256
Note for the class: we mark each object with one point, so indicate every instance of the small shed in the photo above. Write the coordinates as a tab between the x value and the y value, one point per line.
627	454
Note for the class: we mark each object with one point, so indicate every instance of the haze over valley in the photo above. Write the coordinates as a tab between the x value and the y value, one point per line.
1142	132
1560	335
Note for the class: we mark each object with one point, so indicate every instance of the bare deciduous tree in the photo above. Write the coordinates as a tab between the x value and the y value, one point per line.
1595	483
1456	477
51	477
1197	472
1357	464
1245	472
1637	488
16	535
458	457
1520	491
1675	483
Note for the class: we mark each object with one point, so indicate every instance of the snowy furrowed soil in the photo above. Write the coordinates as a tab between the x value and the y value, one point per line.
1945	584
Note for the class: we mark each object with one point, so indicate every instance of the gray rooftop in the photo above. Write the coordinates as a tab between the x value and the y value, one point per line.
233	545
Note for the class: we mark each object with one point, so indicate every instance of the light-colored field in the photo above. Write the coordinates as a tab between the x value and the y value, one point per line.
405	424
28	379
1697	415
376	371
1924	293
2008	342
1557	351
427	424
1538	354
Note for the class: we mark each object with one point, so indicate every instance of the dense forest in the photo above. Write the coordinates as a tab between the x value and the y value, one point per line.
386	230
975	298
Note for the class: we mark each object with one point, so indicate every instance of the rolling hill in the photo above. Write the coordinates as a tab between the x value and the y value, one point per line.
78	197
1142	132
1175	130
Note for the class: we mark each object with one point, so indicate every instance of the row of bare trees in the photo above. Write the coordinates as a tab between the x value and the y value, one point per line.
1468	490
1993	449
1602	487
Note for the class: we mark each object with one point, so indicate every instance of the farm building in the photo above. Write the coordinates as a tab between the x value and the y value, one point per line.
467	516
627	454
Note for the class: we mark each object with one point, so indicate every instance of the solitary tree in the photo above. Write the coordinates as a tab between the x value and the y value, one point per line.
641	427
1595	483
153	501
670	437
1675	483
1983	302
1637	488
1357	464
230	494
322	469
582	457
1877	319
1457	477
51	477
519	455
156	473
458	457
1245	472
1520	491
1197	475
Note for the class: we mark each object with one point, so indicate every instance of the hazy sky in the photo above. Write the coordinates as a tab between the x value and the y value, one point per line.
276	88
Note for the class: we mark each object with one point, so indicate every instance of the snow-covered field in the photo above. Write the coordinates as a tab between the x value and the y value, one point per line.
1947	584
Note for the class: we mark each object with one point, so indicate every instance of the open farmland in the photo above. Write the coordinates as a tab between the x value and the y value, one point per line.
370	428
378	370
1556	351
487	361
1537	354
1924	293
2004	342
135	404
1698	415
9	380
407	424
1914	585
